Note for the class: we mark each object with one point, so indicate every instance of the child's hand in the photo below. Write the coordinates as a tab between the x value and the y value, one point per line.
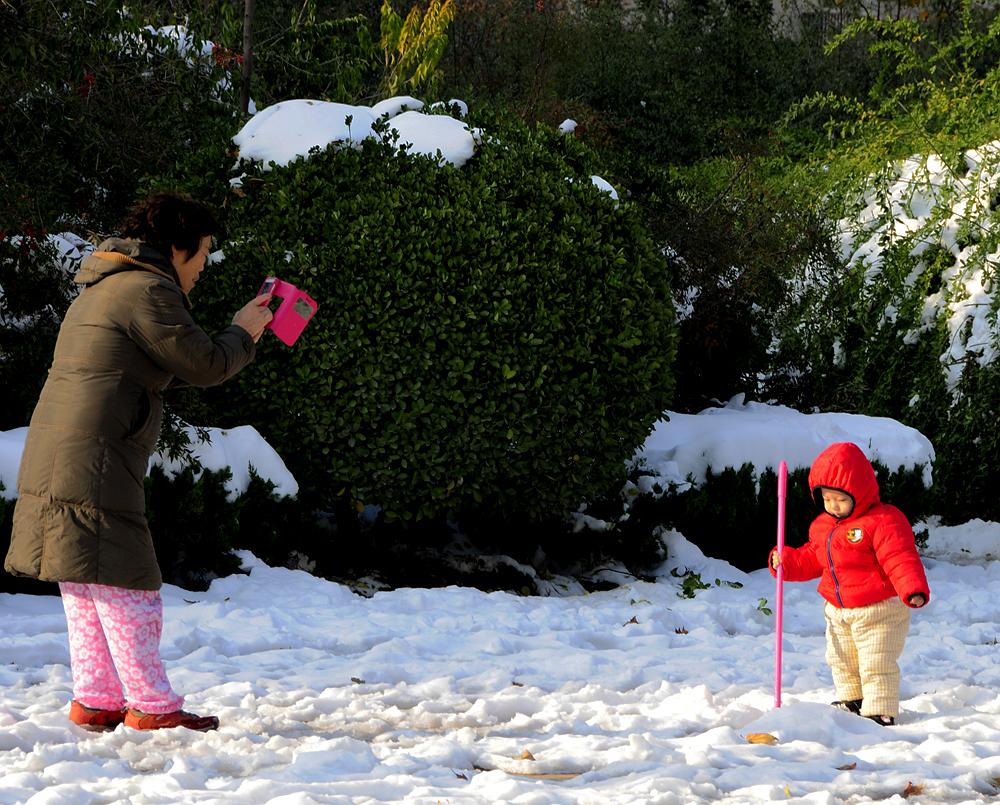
775	560
917	600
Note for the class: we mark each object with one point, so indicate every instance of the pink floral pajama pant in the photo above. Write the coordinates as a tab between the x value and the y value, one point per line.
114	648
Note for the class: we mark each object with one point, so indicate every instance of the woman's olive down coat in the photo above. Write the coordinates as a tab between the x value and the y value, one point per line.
80	513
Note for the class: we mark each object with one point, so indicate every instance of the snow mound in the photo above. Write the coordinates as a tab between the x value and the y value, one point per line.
969	543
683	447
239	449
291	129
288	130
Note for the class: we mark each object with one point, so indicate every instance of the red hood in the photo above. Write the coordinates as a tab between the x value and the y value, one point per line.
843	466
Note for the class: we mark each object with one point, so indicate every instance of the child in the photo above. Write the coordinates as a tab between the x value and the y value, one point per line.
870	571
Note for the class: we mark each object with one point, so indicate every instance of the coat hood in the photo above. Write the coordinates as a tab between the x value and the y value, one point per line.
843	466
116	255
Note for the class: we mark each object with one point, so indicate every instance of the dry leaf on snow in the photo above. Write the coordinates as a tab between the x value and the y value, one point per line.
761	738
912	790
526	755
631	620
848	766
548	775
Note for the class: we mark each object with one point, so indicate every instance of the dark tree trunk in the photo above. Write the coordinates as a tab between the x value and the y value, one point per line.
247	55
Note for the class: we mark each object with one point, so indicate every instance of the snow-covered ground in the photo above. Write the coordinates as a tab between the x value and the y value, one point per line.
455	695
635	695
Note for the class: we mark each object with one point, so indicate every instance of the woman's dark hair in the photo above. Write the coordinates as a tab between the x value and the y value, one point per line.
170	219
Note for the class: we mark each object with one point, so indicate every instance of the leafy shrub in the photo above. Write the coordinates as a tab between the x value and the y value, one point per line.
658	100
495	338
737	235
34	294
629	76
329	59
412	47
196	527
858	361
906	327
966	441
90	101
694	141
740	217
691	583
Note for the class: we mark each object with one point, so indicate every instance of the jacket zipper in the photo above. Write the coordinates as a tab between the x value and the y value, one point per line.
833	572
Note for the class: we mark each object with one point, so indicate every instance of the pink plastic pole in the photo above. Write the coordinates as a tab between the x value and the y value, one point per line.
779	598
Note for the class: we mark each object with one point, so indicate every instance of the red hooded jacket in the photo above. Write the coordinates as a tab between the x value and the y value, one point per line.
866	557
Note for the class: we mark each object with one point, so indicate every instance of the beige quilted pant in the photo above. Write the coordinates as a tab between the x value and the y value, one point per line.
863	645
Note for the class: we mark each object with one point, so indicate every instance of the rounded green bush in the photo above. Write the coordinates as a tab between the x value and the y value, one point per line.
495	338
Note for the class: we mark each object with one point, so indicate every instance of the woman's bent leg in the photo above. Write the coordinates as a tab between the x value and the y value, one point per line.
95	681
133	622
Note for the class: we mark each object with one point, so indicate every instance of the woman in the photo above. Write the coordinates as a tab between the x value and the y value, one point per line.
80	514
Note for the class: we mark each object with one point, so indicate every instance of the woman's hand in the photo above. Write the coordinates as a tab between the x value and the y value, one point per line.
917	600
254	316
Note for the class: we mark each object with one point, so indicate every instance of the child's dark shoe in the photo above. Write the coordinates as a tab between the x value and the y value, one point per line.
851	705
884	721
138	720
93	718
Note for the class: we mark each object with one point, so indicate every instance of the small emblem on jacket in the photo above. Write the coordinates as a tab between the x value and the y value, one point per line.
854	535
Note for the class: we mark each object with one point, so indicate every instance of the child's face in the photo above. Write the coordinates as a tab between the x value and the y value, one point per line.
837	503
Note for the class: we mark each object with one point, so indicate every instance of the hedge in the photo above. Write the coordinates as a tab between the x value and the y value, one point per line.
494	340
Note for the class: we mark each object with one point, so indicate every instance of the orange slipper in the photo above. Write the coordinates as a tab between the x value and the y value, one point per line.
138	720
93	718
